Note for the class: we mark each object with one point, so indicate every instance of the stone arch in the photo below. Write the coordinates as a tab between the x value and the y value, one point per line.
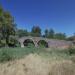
28	42
43	43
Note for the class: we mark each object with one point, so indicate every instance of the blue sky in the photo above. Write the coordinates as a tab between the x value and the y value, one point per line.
56	14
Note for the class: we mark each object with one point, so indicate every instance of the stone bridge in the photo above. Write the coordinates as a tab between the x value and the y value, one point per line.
49	42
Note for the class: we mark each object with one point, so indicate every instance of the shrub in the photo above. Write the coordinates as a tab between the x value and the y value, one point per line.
71	50
73	58
2	43
13	42
5	56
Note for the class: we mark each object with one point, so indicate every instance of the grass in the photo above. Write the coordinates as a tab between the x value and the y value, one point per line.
17	53
36	61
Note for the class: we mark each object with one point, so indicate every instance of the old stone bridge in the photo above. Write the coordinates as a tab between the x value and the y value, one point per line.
49	42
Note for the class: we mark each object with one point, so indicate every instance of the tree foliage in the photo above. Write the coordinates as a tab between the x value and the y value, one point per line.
61	36
36	31
52	35
22	33
49	33
71	38
46	33
7	25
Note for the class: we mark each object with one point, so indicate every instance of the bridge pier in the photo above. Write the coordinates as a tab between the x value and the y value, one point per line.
22	45
36	45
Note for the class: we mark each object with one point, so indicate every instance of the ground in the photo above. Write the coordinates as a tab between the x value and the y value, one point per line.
38	61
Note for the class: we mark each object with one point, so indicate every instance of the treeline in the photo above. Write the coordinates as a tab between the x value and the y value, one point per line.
36	32
8	30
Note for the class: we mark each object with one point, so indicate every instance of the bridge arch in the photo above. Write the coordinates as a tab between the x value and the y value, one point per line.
29	42
43	43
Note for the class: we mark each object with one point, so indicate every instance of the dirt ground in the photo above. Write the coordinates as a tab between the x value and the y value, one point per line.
34	64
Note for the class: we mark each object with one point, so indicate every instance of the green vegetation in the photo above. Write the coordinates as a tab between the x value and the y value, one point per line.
7	26
36	31
21	33
49	33
7	54
71	51
43	44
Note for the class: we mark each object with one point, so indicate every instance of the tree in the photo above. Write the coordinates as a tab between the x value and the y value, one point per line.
71	38
46	33
51	34
36	31
22	33
7	25
61	36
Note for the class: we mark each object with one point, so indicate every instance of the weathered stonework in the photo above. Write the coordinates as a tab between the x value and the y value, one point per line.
51	42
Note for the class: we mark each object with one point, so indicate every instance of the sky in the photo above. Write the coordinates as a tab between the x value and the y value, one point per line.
56	14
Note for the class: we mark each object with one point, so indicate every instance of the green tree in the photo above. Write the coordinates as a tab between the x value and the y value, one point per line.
36	31
51	34
7	25
22	33
61	36
46	33
71	38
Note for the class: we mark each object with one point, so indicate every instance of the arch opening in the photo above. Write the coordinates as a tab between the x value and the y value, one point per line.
43	43
29	43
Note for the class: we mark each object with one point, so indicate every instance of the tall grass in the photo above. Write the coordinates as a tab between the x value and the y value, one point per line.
7	54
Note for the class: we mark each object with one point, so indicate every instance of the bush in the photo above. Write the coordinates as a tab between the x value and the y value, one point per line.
2	43
5	56
13	42
71	50
73	58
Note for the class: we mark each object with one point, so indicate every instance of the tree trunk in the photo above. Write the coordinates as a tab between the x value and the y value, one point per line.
7	41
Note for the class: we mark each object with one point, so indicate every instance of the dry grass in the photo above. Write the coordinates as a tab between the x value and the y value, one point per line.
63	68
34	64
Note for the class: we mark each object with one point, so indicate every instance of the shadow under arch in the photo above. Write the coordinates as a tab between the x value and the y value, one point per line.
29	43
43	43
